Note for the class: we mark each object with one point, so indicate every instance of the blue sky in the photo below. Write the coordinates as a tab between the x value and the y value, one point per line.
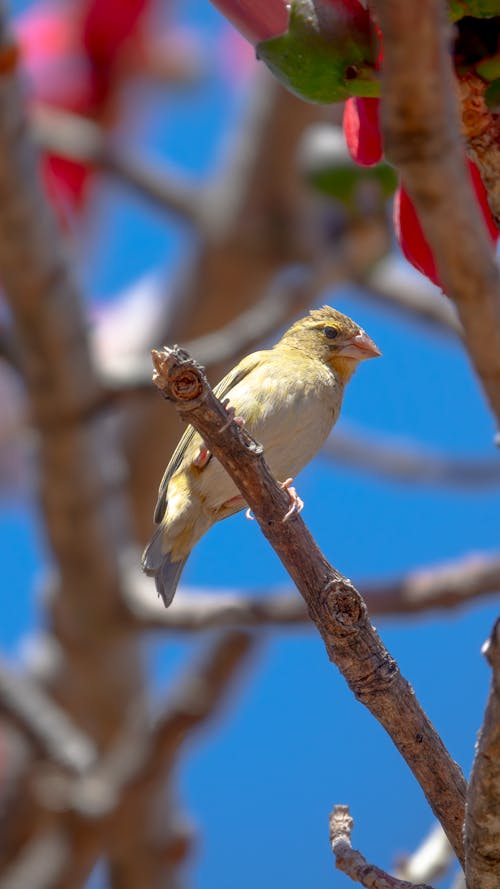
294	742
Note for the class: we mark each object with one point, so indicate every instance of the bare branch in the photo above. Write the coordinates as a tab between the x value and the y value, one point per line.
430	861
79	466
107	803
353	863
46	724
482	818
399	461
441	586
412	294
422	138
83	140
335	606
450	585
291	290
40	864
52	332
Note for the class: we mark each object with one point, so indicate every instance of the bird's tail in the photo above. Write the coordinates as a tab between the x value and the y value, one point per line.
158	564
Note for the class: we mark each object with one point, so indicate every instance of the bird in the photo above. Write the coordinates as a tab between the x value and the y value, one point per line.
289	398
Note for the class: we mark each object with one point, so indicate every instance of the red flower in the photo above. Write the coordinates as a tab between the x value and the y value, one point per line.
362	133
73	56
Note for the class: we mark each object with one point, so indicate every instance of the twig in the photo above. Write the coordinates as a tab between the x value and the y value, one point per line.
291	290
46	724
482	819
422	138
83	140
335	606
403	289
401	462
109	801
430	861
449	585
353	863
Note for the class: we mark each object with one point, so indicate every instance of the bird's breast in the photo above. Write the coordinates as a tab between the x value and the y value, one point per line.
290	411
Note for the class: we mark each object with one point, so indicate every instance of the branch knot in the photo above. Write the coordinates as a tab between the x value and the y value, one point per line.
343	602
179	378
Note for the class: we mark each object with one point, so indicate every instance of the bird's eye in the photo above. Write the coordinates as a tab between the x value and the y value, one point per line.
330	332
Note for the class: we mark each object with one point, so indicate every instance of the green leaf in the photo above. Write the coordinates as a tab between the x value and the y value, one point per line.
479	9
492	96
489	69
343	181
326	55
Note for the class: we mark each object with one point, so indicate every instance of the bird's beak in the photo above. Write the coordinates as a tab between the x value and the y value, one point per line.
359	347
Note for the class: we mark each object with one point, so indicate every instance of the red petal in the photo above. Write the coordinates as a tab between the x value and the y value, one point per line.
362	131
411	237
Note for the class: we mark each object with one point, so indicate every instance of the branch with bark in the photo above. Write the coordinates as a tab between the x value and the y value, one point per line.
421	129
444	586
353	863
92	812
335	606
482	818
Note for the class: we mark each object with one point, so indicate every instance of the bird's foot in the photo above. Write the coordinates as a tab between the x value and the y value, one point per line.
297	505
202	457
249	515
231	418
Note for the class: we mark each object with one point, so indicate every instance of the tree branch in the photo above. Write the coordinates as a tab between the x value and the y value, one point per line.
353	863
482	818
335	606
411	464
422	138
45	724
410	294
450	585
80	139
102	807
430	861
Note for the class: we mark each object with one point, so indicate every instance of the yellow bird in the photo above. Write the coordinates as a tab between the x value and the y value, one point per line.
290	398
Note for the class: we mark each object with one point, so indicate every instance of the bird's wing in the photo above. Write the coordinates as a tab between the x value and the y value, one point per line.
222	390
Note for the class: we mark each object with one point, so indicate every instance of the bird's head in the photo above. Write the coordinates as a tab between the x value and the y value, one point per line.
333	338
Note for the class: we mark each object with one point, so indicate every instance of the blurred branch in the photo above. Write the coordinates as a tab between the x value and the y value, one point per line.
482	817
398	461
80	469
40	864
353	863
422	138
98	810
80	139
448	585
291	290
335	606
398	288
45	724
52	333
430	861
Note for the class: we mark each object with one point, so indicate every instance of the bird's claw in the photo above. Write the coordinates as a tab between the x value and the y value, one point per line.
231	418
249	515
202	457
297	504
